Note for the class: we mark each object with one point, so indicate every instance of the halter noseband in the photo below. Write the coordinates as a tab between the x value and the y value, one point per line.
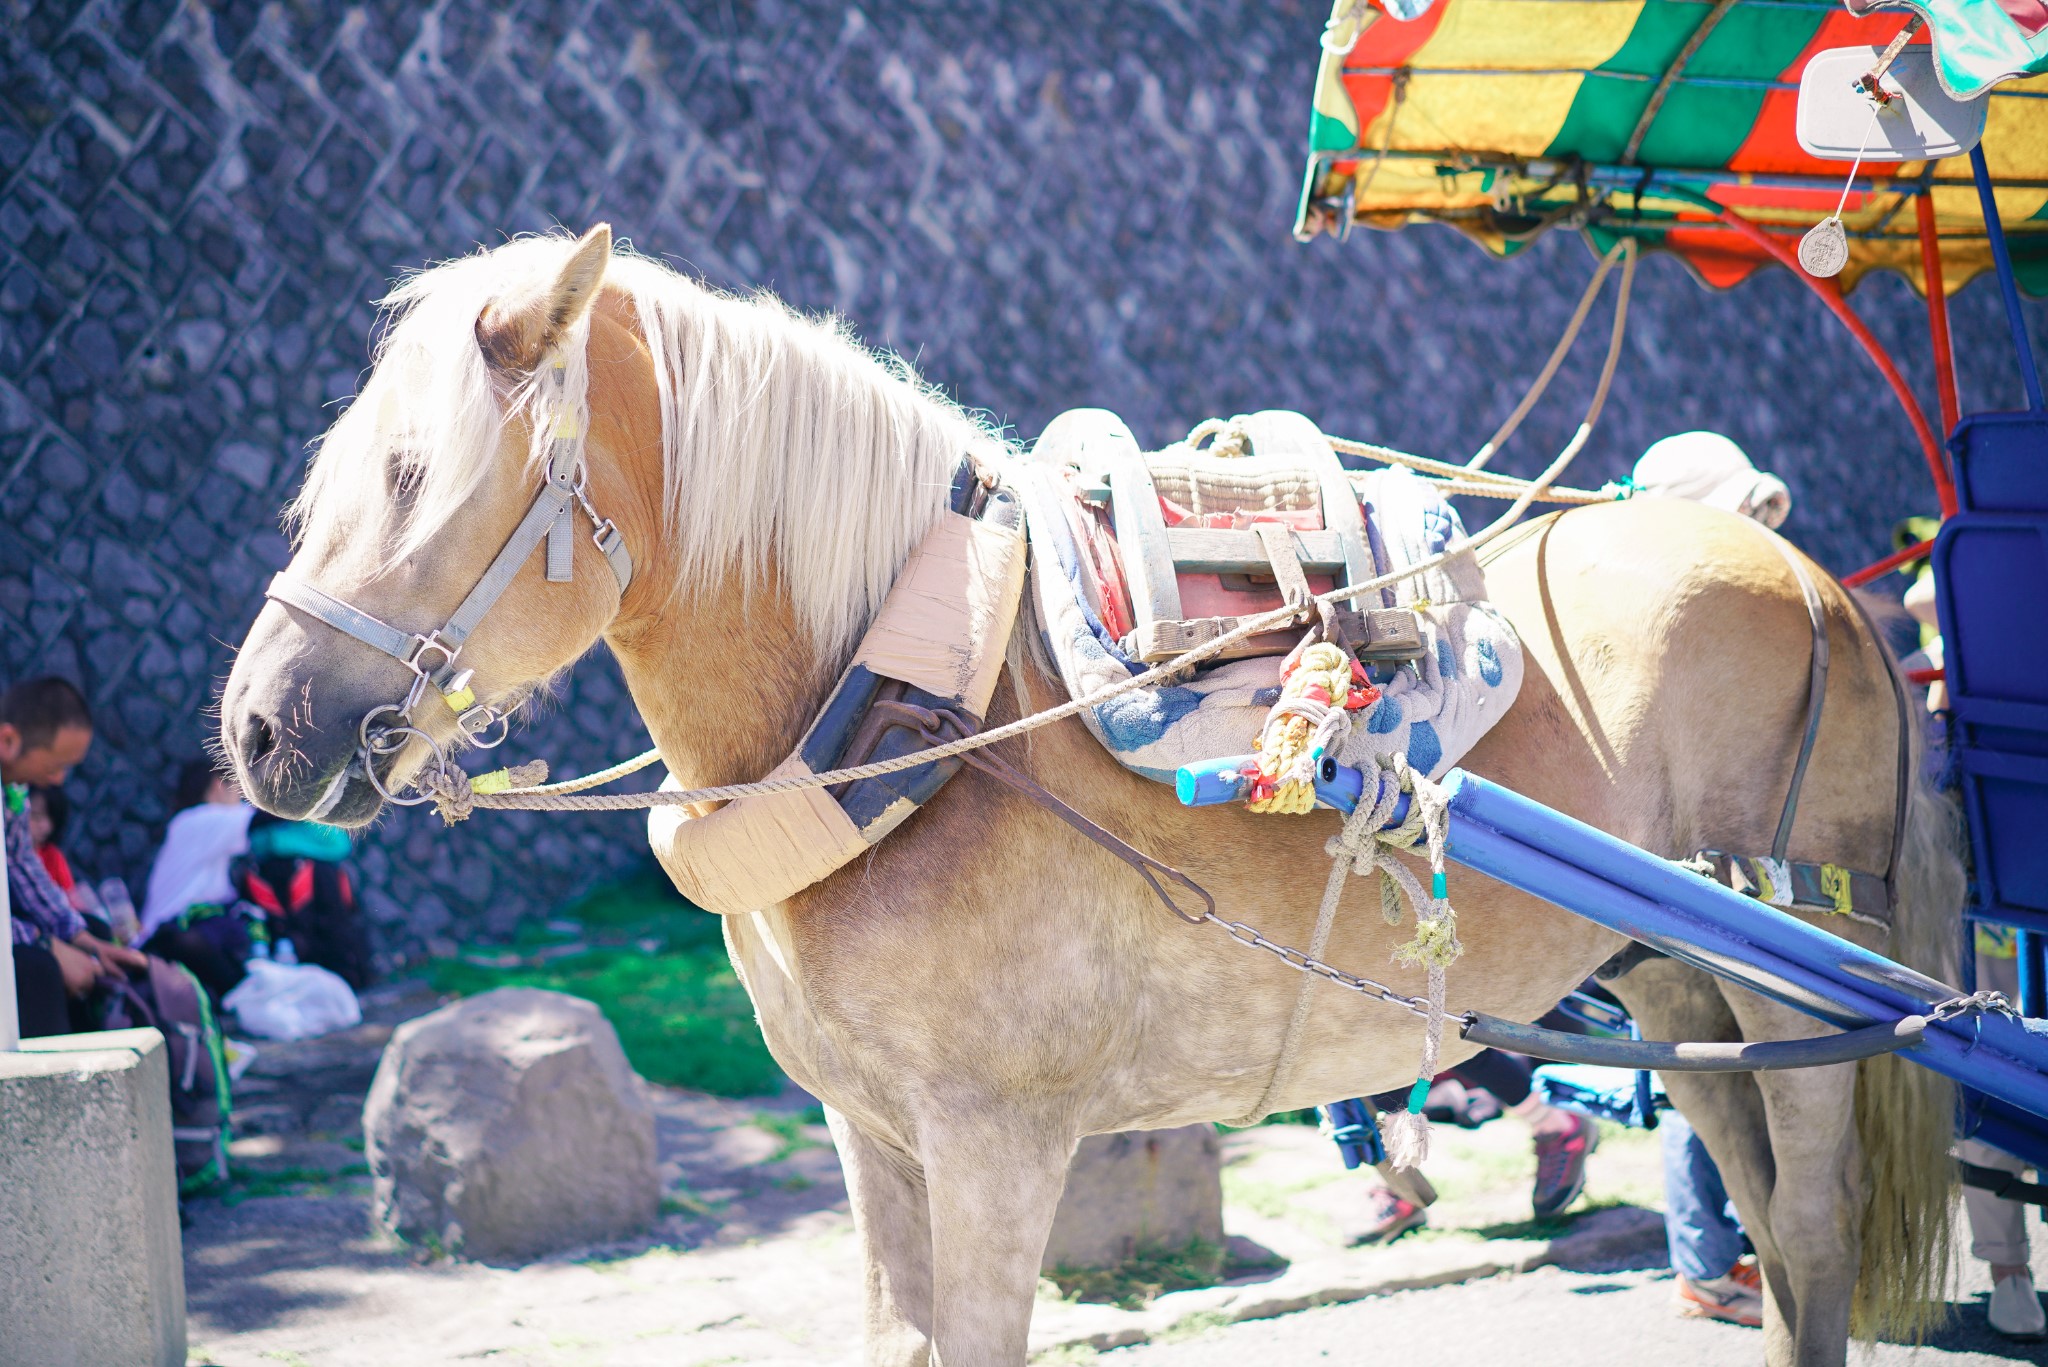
432	658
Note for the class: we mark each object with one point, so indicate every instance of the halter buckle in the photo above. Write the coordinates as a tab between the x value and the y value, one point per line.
421	645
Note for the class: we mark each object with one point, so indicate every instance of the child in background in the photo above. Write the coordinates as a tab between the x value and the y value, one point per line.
49	811
191	913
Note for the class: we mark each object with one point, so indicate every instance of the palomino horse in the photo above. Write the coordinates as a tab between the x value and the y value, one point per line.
986	988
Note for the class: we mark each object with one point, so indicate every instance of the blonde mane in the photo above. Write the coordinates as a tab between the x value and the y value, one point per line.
788	448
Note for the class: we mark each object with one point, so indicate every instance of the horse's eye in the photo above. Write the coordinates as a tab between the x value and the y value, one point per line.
405	480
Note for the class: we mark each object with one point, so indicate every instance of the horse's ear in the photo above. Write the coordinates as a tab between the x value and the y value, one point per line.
517	330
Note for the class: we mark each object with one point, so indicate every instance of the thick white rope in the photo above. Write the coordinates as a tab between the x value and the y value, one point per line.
1557	355
452	785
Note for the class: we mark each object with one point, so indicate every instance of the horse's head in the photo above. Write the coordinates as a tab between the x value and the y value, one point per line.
425	598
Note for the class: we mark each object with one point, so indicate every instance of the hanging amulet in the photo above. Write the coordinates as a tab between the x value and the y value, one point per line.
1825	249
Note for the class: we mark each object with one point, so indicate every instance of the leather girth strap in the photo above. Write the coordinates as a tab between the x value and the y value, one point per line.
1816	694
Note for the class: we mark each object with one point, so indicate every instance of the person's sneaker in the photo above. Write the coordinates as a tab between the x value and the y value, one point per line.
1737	1298
2016	1309
1388	1217
1561	1165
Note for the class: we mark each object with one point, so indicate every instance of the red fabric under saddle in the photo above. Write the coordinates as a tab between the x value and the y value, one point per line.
1201	595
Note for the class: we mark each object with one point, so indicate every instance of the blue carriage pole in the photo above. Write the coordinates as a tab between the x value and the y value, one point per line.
1547	854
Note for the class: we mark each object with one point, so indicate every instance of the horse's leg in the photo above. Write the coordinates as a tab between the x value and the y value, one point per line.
1814	1216
995	1181
891	1215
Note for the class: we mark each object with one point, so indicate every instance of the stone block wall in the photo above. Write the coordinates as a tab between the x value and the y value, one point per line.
1044	204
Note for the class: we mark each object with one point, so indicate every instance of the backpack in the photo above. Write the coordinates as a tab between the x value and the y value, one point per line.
169	998
294	876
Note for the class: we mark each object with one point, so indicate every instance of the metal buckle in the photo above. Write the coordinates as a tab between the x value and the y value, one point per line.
477	722
423	644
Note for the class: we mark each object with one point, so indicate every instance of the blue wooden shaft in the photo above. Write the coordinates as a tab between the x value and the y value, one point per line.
1547	854
2007	285
1586	871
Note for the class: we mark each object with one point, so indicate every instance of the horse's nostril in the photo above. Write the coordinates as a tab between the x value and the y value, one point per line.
259	738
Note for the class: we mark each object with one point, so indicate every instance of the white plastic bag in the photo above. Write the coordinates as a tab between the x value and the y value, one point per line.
292	1001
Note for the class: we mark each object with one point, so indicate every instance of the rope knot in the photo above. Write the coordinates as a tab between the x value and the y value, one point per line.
455	792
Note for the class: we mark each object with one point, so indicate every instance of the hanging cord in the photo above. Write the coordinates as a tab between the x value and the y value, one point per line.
1557	354
1386	135
452	788
1363	846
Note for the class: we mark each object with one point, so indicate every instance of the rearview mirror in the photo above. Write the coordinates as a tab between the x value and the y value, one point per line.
1920	123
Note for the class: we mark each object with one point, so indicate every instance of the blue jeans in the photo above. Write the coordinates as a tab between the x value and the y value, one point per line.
1700	1226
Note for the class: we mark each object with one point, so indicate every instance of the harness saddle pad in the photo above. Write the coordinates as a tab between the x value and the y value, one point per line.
1137	557
937	645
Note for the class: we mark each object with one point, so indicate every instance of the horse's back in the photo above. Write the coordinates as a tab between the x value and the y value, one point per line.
1668	657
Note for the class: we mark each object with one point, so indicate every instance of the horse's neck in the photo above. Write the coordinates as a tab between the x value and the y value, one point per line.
725	681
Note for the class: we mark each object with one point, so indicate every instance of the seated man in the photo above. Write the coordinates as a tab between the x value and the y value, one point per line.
45	729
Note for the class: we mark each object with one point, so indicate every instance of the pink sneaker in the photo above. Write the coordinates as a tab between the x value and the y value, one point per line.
1737	1298
1561	1165
1388	1217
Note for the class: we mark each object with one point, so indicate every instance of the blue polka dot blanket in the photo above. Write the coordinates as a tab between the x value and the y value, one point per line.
1432	710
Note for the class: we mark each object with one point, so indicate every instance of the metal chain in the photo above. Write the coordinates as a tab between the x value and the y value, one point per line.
1987	1003
1304	963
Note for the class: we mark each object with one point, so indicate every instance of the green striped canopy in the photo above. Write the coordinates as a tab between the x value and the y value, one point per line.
1507	117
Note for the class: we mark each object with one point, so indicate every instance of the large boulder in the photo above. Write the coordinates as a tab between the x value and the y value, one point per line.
1142	1190
510	1125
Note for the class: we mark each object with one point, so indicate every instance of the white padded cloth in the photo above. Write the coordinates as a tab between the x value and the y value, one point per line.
1433	712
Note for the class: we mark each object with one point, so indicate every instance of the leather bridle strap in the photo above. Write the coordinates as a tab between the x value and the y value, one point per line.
542	516
549	517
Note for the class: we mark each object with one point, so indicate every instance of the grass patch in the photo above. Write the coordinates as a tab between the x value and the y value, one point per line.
680	1011
789	1129
1194	1326
1270	1198
682	1201
1143	1278
246	1184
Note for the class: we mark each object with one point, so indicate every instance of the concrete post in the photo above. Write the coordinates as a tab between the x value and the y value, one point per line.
91	1269
1136	1192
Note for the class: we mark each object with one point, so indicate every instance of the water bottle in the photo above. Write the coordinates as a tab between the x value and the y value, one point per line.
286	953
120	910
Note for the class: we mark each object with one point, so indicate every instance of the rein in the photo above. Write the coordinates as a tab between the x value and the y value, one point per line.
433	657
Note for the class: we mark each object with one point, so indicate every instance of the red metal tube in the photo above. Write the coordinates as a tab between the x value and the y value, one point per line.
1831	294
1917	551
1937	315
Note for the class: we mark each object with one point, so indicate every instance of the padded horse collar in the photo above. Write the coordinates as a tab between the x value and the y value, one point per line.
434	657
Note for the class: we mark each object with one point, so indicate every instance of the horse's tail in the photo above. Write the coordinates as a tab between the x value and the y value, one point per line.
1905	1114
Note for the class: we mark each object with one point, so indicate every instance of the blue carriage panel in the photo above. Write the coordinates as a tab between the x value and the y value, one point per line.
2001	462
1991	580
